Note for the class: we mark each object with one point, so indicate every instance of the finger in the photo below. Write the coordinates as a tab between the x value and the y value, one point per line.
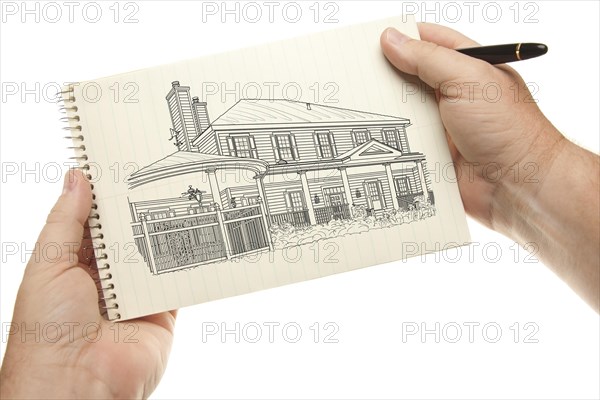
444	36
60	239
434	64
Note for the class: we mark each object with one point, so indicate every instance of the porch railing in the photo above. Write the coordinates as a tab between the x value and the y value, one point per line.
325	214
406	200
296	218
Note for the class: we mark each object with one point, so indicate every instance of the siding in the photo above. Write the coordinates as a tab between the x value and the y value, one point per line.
238	192
413	177
305	143
208	143
357	182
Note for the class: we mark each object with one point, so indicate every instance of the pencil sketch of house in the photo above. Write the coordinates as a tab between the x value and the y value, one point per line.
316	172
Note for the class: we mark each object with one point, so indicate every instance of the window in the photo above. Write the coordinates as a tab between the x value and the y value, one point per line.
391	138
324	144
403	186
360	136
242	146
284	146
396	138
296	201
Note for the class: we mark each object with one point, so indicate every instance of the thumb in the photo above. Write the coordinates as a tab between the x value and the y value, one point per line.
60	239
433	64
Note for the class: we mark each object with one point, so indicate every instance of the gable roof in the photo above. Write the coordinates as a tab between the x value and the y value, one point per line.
370	149
374	150
249	112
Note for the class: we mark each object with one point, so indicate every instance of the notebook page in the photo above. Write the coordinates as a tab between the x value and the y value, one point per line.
298	159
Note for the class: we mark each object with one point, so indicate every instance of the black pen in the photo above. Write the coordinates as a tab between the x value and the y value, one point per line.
505	53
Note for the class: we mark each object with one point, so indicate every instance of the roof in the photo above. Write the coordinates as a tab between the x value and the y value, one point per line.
185	162
279	111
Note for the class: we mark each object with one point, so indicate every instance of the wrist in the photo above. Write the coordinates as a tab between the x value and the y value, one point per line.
520	198
30	377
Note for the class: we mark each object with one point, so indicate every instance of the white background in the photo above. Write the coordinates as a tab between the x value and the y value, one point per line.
371	306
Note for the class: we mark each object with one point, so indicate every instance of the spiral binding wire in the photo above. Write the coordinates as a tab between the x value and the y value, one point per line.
106	295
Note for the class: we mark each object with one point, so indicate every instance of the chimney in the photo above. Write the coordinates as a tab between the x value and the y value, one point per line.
200	114
175	84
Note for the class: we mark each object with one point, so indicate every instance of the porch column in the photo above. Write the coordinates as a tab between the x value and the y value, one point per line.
263	195
307	199
423	181
347	190
148	243
226	242
390	179
262	199
214	187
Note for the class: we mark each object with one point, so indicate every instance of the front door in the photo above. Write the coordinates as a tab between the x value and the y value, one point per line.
336	200
374	195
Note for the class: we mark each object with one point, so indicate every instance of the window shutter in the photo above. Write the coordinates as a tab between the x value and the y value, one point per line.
286	198
275	147
253	147
368	134
230	146
317	147
294	147
333	148
354	143
416	179
403	139
381	194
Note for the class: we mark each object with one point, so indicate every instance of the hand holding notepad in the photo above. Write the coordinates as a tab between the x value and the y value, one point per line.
218	221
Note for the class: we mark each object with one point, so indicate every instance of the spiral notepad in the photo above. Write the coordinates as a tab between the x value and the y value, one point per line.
252	169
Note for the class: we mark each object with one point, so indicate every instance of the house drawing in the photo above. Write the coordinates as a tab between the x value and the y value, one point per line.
311	167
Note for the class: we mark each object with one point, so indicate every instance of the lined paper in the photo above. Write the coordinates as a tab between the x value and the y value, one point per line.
341	68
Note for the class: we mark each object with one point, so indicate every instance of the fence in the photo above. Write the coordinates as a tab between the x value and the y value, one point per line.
178	242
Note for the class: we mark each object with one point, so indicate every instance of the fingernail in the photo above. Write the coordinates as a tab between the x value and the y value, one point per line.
395	37
70	181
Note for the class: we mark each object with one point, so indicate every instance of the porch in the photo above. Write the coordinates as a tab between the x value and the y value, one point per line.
323	215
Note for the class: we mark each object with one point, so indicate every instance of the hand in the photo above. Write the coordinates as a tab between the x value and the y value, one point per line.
513	166
489	131
74	352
